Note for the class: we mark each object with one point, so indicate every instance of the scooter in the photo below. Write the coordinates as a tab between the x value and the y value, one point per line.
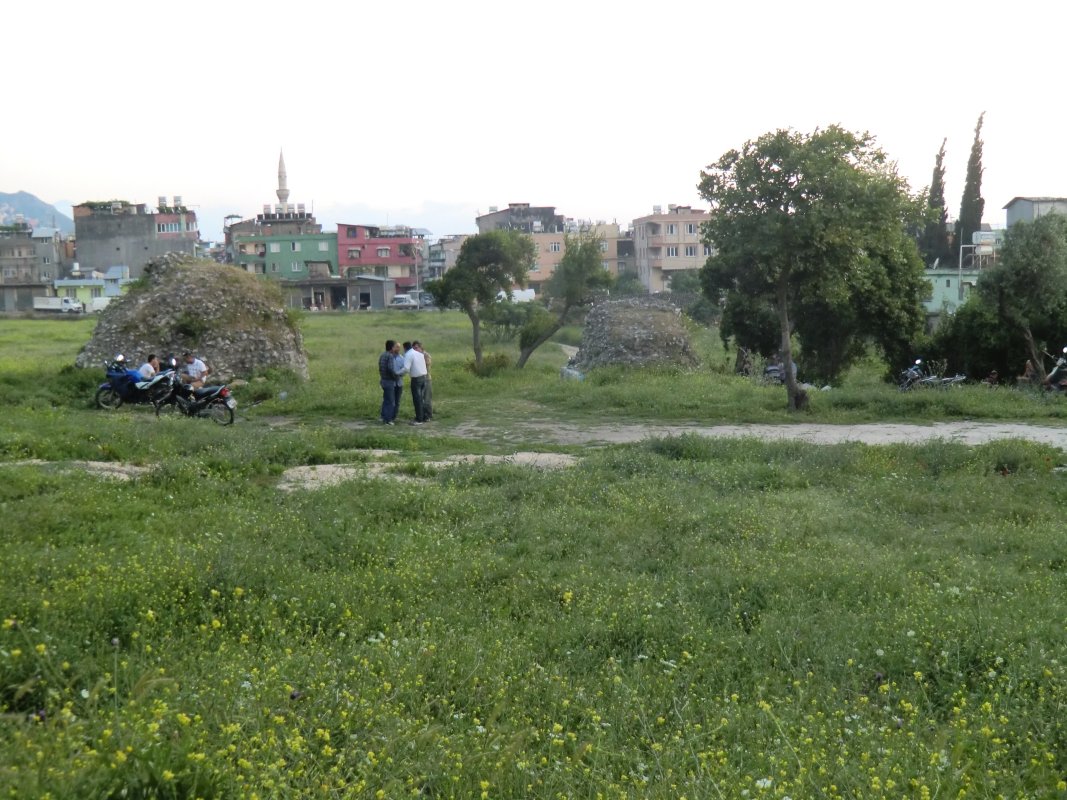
127	386
214	402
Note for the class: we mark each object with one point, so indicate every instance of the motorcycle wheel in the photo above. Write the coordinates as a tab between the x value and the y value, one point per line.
108	398
167	409
218	411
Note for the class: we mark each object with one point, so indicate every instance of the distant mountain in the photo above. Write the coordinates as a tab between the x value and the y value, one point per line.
34	211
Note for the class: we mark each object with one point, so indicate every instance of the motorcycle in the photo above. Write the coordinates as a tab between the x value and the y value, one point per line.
1056	381
125	385
917	376
214	402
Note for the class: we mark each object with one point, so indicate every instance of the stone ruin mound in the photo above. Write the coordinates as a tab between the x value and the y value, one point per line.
232	320
635	331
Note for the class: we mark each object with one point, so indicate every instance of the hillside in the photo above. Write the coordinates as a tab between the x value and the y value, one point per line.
34	210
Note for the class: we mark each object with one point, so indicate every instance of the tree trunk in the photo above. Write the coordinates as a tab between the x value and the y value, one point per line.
526	352
1035	354
476	325
798	398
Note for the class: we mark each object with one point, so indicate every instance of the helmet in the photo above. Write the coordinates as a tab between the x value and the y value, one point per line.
120	359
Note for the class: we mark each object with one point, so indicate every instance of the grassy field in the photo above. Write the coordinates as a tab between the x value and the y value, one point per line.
682	617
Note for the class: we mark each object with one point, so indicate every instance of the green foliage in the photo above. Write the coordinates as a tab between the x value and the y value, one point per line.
490	365
934	243
816	228
487	264
578	277
540	326
972	205
628	284
1028	285
504	319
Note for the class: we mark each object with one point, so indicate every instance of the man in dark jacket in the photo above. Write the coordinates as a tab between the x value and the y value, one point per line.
392	382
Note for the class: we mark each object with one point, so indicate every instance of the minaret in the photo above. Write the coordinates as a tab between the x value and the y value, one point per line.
283	189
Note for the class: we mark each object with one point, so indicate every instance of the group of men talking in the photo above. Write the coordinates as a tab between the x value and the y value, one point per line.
393	365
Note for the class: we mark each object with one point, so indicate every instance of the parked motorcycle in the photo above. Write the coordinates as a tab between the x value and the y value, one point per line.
917	376
1056	381
214	402
125	385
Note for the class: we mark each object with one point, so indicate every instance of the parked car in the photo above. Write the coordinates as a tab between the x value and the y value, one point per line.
403	302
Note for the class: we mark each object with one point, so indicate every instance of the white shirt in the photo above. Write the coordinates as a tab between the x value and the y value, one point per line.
415	363
147	370
196	369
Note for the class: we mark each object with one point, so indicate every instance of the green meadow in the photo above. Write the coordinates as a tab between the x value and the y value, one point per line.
680	617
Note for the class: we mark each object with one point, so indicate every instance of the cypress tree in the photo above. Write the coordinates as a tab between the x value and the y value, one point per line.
972	205
934	243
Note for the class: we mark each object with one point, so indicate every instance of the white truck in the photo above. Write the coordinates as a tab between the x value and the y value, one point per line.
65	305
96	305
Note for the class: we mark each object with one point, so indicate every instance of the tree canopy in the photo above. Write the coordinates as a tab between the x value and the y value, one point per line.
815	228
1027	286
488	264
578	276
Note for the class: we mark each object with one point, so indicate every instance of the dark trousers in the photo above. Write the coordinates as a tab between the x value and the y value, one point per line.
391	393
418	393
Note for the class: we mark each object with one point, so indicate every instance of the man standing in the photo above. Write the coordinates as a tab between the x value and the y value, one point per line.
427	395
415	366
392	382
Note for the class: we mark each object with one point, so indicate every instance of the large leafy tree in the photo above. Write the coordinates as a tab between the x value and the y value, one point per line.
487	264
579	275
934	243
972	205
816	228
1027	287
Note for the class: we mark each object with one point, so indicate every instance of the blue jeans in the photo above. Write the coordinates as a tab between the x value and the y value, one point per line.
418	397
391	392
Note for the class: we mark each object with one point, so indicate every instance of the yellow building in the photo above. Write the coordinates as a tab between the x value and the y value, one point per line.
668	242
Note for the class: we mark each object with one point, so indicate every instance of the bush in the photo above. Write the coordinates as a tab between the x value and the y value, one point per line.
490	366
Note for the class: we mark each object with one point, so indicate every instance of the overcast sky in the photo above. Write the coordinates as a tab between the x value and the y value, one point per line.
428	113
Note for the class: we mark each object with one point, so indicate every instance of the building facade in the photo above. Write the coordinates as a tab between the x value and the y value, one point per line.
395	252
441	255
521	217
21	271
668	242
1027	209
120	233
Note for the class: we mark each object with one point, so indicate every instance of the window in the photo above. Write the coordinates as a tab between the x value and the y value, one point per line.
383	252
671	228
690	227
324	247
275	247
604	265
296	266
672	252
948	283
707	249
294	246
352	233
273	267
554	247
381	272
355	253
95	292
47	260
603	247
690	250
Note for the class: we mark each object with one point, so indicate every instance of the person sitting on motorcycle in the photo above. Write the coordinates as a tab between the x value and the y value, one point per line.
149	368
194	371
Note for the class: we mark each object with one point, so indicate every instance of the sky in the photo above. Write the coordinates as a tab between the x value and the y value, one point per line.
427	113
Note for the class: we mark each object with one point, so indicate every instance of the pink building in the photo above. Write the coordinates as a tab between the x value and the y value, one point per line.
384	252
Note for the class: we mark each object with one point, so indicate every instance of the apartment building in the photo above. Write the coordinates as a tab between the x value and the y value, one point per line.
117	232
666	242
441	255
397	252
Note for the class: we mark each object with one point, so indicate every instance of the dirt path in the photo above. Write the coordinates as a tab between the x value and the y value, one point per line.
872	433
